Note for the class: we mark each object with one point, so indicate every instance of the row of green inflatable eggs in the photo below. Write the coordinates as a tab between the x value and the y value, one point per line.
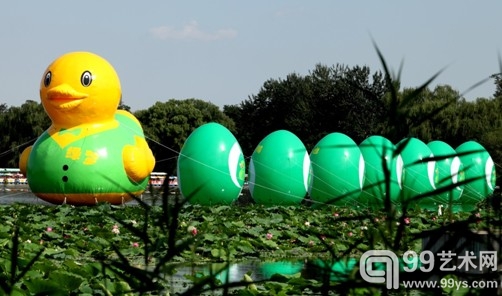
212	170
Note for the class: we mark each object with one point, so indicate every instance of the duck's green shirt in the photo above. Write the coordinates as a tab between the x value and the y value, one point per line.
84	159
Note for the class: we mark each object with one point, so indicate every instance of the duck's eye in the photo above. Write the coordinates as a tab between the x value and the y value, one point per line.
86	78
47	78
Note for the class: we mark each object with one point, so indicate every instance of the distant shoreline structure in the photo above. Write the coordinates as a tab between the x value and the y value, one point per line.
12	177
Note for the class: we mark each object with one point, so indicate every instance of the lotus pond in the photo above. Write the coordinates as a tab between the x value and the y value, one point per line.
168	248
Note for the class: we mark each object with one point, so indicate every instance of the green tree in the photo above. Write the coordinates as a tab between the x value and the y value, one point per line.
168	124
482	122
20	127
279	105
434	115
328	99
123	106
498	85
348	100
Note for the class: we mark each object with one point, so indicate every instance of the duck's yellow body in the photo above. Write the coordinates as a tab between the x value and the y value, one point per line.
92	152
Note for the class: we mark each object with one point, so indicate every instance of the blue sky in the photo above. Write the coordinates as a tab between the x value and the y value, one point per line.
223	51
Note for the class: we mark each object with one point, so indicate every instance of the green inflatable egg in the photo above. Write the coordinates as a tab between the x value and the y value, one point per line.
337	171
418	171
279	170
211	166
479	172
382	172
447	176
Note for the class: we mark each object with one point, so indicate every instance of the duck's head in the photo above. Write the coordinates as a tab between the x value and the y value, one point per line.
79	88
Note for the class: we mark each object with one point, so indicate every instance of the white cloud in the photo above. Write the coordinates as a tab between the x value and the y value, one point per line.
191	31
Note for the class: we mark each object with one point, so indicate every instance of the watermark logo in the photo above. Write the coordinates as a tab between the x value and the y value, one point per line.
383	266
389	275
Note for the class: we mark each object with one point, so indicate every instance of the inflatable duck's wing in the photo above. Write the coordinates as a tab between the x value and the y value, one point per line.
138	159
23	160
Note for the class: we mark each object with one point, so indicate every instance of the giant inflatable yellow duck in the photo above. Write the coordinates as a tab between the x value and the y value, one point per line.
92	152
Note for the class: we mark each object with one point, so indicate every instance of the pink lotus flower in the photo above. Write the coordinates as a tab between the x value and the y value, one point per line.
407	221
335	215
49	229
269	235
135	245
350	234
191	229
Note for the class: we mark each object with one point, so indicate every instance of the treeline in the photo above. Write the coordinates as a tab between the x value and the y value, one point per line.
339	98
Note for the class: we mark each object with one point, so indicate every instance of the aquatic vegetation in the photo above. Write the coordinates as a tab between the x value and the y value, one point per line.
137	249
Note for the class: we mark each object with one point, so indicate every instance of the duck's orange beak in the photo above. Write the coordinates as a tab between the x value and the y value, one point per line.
64	96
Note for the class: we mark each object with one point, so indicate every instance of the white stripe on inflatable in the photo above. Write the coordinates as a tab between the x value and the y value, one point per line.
399	171
488	172
361	171
233	163
306	171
